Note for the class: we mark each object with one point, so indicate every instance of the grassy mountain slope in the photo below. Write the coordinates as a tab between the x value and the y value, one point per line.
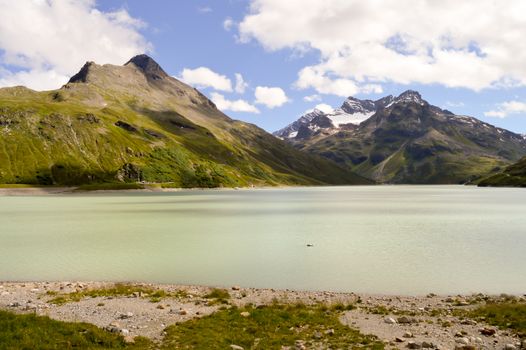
411	141
513	176
135	123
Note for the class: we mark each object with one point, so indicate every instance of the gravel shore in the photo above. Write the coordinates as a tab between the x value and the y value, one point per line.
400	321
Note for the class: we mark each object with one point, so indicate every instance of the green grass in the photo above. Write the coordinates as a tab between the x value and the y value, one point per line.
268	327
505	315
218	296
38	332
118	290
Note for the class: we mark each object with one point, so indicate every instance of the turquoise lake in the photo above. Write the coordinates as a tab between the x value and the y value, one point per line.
373	239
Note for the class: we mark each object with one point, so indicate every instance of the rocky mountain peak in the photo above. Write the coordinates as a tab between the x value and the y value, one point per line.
82	75
148	66
410	96
355	105
313	114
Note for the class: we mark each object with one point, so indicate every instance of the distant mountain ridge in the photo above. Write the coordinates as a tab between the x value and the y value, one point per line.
406	140
136	123
352	112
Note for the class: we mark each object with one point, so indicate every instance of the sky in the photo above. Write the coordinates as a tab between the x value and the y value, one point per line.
269	61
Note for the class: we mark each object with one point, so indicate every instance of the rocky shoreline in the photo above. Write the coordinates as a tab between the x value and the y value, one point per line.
401	322
52	190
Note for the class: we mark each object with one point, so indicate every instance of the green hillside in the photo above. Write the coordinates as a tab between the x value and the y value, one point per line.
135	123
513	176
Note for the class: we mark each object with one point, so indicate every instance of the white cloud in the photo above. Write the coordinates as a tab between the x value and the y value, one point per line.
228	24
204	77
312	98
232	105
311	77
506	108
35	79
364	44
48	41
325	108
270	96
241	85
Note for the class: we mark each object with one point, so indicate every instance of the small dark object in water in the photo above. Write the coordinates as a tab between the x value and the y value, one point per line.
310	245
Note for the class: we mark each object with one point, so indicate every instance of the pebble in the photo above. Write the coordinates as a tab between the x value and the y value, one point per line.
428	345
300	345
463	340
125	332
245	314
408	335
469	322
126	315
390	320
236	347
510	347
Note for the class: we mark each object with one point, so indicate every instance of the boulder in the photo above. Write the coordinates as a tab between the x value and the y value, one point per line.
487	331
126	315
405	320
413	345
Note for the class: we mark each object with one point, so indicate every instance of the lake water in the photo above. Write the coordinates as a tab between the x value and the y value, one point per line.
375	239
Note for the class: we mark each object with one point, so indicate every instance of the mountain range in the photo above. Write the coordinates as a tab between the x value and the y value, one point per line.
405	139
136	123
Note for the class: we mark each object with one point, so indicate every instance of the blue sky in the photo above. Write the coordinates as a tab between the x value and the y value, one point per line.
301	48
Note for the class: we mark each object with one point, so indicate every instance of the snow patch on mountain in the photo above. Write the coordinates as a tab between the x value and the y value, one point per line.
339	117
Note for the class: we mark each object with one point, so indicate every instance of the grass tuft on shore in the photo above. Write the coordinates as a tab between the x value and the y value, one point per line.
41	332
218	296
505	315
268	327
119	289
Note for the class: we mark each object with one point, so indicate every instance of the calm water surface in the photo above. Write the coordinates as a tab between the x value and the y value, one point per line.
384	239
